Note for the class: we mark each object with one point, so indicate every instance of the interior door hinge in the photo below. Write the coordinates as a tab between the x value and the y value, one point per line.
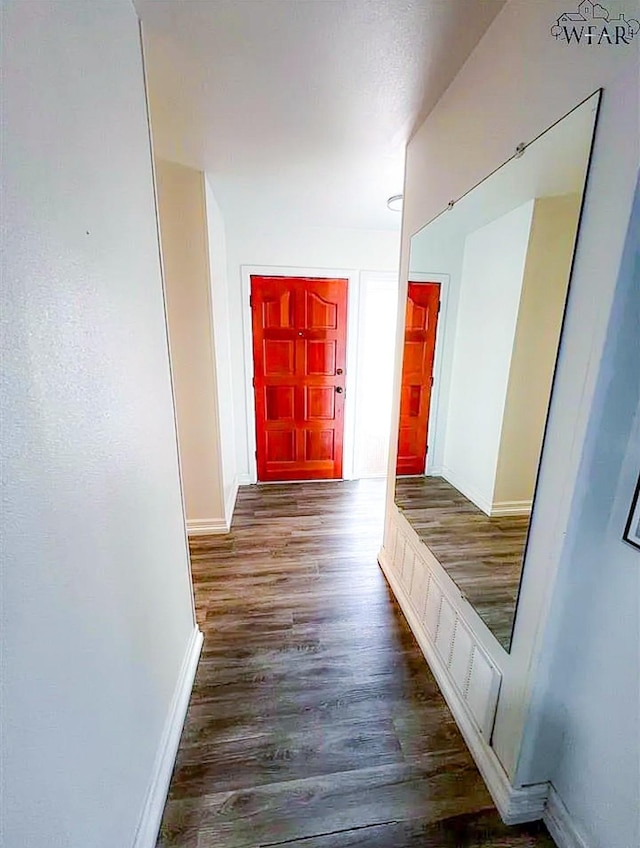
253	382
250	301
439	305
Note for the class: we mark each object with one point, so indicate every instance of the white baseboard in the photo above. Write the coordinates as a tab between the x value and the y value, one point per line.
468	491
149	824
491	508
560	824
207	526
244	479
515	804
499	508
230	503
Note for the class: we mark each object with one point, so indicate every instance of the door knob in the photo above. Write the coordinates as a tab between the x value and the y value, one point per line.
339	390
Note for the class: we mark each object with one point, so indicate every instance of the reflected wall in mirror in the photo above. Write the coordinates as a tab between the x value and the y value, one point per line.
487	290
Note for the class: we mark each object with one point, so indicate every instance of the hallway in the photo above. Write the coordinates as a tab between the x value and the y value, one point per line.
314	720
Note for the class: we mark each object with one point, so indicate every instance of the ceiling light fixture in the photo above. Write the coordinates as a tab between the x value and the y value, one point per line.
395	203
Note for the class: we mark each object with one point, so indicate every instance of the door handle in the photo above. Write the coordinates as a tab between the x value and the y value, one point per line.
339	390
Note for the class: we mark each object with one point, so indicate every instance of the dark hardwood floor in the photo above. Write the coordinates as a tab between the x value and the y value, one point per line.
314	720
482	555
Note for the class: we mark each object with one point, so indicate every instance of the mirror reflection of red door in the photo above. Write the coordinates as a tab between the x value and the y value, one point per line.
417	376
299	360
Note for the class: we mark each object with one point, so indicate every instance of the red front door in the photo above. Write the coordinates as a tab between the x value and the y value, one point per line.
417	376
299	361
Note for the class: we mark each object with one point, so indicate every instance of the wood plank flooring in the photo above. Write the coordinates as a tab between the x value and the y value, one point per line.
482	555
314	720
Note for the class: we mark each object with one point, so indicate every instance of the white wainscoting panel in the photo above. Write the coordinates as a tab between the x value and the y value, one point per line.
472	672
467	675
462	658
445	631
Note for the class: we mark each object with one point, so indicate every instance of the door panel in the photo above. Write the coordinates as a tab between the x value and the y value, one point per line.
278	357
277	310
279	403
320	403
299	349
417	376
320	314
320	445
321	358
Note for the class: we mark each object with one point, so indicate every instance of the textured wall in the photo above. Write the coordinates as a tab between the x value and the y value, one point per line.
593	691
97	597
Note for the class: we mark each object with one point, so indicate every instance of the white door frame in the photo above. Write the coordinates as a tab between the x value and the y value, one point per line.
444	281
366	278
353	298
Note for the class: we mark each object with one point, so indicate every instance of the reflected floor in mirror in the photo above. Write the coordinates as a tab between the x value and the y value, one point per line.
314	720
482	555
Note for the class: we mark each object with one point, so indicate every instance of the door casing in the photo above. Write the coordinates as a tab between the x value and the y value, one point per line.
353	289
299	362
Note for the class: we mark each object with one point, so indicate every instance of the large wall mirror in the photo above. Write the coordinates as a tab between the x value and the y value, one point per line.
488	286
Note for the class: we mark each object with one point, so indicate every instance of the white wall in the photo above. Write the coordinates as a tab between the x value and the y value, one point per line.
185	251
222	341
592	687
376	350
97	598
518	81
492	274
371	250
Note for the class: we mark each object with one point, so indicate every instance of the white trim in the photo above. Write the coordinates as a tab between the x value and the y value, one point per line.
244	479
493	509
351	276
251	476
230	502
511	508
366	278
560	824
515	804
149	824
468	491
207	526
444	281
353	330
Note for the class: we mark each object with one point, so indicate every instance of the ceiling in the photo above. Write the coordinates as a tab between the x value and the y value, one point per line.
300	109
